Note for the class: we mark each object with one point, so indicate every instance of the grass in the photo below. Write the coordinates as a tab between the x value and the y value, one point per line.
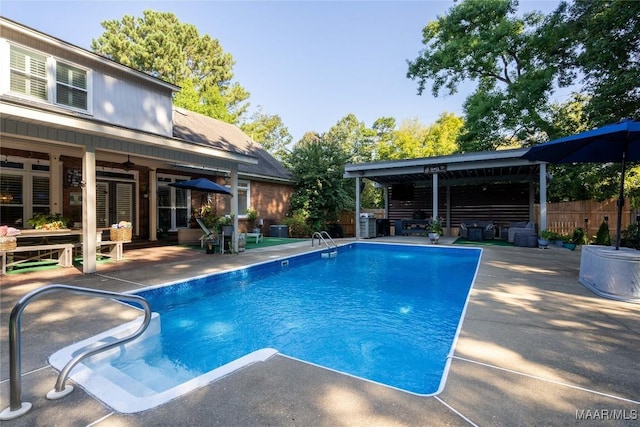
270	241
496	242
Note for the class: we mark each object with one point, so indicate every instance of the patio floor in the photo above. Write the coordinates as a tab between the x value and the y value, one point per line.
536	348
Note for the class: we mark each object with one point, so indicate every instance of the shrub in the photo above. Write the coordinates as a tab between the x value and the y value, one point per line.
602	236
297	223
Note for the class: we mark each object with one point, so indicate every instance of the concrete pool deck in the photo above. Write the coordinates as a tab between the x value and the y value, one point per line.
536	348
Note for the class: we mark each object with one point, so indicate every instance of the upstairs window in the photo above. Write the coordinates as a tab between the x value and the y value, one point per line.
48	79
28	73
71	86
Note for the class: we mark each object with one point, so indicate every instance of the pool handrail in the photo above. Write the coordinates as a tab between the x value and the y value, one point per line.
321	239
16	406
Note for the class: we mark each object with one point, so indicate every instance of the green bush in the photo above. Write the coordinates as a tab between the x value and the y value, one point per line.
297	223
602	236
629	237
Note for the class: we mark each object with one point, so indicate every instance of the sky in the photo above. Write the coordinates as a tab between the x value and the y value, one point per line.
309	62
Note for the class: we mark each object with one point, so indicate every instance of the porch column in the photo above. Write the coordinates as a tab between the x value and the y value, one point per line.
89	210
234	205
435	195
448	212
55	183
153	205
357	221
543	196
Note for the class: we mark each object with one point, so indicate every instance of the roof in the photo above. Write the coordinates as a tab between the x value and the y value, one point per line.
456	169
204	130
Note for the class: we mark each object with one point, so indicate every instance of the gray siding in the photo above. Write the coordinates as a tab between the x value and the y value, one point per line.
132	105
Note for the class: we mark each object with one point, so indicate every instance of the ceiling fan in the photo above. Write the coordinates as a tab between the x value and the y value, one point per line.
128	164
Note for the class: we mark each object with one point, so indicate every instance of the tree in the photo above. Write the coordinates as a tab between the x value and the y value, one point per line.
483	41
270	132
415	140
354	138
321	192
158	44
604	48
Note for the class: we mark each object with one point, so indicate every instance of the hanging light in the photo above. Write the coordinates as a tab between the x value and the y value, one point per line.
128	165
6	197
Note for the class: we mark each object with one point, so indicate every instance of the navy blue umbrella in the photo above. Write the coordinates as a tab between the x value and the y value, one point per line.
615	143
201	184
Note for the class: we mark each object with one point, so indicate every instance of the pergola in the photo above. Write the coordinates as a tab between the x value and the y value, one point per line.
454	170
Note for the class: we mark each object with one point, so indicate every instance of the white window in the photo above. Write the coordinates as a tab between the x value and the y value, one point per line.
24	190
243	199
28	73
71	86
46	78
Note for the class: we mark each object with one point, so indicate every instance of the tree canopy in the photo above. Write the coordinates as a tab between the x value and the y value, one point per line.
519	62
485	42
160	45
270	132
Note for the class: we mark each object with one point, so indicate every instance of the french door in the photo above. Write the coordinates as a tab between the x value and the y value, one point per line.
114	202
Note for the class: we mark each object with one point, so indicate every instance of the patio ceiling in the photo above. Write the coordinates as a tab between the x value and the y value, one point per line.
457	169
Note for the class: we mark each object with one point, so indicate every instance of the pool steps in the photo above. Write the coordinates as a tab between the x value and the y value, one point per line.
126	394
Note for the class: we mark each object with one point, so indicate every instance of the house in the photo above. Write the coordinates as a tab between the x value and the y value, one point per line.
99	142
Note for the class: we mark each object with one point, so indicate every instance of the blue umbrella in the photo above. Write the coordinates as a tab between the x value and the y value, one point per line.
614	143
201	184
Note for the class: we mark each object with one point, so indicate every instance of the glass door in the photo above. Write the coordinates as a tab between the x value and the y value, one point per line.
173	204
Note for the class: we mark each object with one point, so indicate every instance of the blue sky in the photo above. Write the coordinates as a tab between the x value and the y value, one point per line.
310	62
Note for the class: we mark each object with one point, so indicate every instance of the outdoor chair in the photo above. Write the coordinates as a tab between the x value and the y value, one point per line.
209	237
523	228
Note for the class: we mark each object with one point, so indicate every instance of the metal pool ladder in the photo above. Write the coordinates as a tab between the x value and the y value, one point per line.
324	237
17	407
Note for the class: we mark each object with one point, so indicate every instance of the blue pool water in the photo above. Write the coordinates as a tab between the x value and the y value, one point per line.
386	313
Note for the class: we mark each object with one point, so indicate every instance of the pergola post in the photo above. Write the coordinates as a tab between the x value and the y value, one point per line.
543	196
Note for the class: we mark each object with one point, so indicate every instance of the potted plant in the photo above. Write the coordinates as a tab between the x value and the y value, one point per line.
252	216
49	221
543	240
435	230
226	224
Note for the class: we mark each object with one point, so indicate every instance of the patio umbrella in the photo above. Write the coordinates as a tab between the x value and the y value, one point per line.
614	143
201	184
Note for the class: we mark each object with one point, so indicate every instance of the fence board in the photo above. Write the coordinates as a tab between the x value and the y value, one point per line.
564	217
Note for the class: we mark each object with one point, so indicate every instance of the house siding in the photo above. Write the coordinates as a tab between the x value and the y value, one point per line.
116	96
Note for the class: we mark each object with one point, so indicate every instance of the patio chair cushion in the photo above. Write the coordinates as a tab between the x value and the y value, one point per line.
528	229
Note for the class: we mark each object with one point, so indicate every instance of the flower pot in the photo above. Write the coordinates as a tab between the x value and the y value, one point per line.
570	246
434	237
543	243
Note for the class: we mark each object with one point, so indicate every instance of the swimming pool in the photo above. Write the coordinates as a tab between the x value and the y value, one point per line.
386	313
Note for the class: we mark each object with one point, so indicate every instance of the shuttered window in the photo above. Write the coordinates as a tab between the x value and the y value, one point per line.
71	86
41	198
124	202
32	74
28	73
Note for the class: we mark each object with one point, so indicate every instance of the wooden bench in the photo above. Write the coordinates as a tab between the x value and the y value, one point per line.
115	248
63	251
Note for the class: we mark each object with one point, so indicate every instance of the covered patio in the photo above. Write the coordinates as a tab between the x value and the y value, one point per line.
495	186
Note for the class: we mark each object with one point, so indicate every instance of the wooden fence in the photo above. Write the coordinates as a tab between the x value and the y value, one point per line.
564	217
